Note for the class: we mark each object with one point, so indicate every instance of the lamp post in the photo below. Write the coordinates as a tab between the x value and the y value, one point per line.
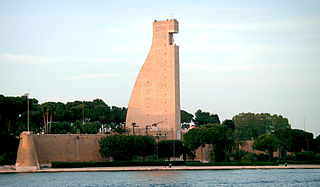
27	95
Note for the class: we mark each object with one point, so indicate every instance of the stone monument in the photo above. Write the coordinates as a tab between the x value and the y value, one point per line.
154	106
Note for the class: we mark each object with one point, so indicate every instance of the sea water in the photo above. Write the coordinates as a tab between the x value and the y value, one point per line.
254	177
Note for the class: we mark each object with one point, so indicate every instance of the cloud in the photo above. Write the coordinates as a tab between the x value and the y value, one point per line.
210	68
264	25
37	60
26	59
95	61
97	75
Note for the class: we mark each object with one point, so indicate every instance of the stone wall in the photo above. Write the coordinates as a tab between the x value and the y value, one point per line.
67	147
59	147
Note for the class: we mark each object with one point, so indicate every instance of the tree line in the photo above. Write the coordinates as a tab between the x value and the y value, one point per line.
59	118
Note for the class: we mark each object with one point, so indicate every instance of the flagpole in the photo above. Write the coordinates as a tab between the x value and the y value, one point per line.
28	111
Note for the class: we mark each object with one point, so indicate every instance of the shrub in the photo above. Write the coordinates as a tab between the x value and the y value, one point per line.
57	164
263	157
9	149
249	157
304	156
267	163
238	154
317	157
289	157
123	148
212	155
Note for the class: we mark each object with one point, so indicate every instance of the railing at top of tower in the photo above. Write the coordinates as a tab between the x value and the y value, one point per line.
165	20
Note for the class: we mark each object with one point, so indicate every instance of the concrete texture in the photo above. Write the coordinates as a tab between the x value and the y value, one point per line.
27	157
35	150
155	100
68	147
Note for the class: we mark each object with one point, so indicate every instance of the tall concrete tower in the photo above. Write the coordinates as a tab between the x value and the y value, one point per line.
154	106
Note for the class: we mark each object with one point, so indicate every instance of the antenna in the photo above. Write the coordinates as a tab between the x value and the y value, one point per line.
304	123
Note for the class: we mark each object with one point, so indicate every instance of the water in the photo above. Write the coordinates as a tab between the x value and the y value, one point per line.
270	177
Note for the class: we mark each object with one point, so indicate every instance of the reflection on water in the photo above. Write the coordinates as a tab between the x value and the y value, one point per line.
272	177
157	177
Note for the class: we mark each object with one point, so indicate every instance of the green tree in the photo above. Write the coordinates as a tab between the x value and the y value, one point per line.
193	139
62	128
250	125
9	149
186	117
119	147
118	115
144	146
170	148
203	118
229	124
267	143
91	127
299	140
219	136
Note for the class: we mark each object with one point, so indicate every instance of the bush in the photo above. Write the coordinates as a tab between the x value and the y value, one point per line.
238	154
263	157
57	164
9	149
233	164
317	157
300	162
212	155
305	156
249	157
289	157
123	148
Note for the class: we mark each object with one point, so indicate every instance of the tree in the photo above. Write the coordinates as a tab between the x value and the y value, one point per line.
229	124
62	128
186	117
267	143
193	139
91	127
119	147
170	148
250	125
144	146
202	118
299	140
122	147
118	114
219	136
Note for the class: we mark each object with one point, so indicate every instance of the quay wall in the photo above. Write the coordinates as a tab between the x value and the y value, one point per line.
65	147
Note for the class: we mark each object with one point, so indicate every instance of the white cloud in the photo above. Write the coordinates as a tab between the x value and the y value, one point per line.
97	75
265	25
26	59
38	60
210	68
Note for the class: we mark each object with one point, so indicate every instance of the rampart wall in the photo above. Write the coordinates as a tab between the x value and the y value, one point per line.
67	147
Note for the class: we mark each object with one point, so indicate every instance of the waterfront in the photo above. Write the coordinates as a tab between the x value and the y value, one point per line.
246	177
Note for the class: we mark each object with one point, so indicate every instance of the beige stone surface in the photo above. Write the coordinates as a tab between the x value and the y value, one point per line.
27	157
155	98
43	149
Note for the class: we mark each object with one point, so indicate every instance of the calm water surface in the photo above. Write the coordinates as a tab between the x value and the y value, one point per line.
271	177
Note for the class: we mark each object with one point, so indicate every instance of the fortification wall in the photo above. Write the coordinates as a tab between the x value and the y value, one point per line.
67	147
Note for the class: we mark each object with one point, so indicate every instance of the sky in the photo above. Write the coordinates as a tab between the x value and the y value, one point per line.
235	56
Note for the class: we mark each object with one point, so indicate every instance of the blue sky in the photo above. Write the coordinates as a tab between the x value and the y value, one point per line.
235	56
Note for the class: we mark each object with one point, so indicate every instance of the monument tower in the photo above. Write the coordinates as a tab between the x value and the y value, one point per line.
154	106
